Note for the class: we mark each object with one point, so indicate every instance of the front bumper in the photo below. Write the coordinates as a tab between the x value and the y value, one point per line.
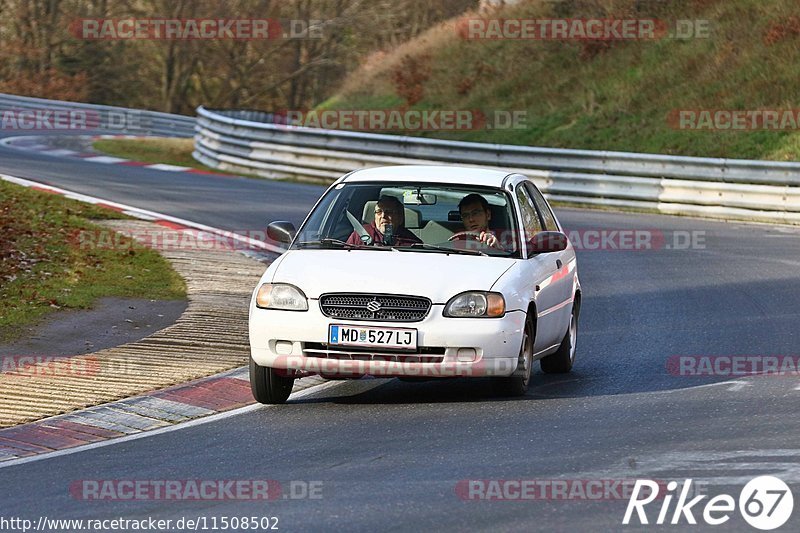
447	347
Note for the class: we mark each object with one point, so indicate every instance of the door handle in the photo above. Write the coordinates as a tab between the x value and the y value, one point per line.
559	264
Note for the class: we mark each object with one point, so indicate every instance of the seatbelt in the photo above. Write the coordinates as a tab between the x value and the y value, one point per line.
365	238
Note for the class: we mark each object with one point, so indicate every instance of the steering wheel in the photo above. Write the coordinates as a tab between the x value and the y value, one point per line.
466	235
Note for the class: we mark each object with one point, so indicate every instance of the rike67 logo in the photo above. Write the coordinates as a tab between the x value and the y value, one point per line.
765	503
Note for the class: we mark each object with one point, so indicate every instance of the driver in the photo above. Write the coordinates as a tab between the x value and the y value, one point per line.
475	214
389	211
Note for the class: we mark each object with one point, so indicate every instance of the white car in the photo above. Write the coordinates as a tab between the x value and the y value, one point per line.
433	296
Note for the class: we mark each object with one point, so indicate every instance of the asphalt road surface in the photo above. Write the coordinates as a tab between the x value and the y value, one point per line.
388	455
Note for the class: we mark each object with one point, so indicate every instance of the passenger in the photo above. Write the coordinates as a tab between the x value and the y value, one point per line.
476	215
389	211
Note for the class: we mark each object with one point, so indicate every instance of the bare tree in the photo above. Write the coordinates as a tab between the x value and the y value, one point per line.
41	57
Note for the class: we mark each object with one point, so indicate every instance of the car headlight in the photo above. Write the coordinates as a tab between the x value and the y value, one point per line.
281	296
476	304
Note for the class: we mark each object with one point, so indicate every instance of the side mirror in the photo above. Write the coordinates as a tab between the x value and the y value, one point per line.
546	242
281	231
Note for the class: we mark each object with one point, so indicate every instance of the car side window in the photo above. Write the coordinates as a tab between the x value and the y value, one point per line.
531	224
548	218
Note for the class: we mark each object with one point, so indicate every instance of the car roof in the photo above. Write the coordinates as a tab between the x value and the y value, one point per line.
431	174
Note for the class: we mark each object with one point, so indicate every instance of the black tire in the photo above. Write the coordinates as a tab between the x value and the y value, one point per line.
517	383
562	360
268	386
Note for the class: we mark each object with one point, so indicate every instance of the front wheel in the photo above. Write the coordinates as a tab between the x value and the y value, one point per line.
267	385
562	360
517	383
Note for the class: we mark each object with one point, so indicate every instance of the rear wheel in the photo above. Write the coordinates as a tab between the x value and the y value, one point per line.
561	361
517	383
267	385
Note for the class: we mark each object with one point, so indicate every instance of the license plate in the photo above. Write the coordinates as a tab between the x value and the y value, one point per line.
397	338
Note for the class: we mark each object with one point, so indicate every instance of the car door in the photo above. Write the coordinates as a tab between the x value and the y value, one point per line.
563	282
546	272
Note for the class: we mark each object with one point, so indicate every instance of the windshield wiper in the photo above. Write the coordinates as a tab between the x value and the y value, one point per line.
326	241
433	247
340	243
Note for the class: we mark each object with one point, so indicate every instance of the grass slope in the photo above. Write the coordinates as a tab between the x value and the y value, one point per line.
45	267
153	150
613	95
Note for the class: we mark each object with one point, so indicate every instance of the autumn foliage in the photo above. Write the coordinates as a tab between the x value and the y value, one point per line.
42	55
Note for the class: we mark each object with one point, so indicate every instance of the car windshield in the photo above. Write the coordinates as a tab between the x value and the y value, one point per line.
409	217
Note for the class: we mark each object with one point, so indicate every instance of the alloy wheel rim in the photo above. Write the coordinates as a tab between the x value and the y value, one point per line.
573	336
526	358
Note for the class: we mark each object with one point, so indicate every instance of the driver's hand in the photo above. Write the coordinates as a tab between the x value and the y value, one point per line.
489	238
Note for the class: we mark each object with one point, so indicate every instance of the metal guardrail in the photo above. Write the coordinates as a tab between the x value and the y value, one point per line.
109	119
248	142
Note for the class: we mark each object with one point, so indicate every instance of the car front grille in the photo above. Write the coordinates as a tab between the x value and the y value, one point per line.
423	355
382	307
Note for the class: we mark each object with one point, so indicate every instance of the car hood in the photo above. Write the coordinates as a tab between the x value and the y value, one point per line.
437	276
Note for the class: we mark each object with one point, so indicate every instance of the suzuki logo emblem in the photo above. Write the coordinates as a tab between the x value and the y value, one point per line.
374	306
